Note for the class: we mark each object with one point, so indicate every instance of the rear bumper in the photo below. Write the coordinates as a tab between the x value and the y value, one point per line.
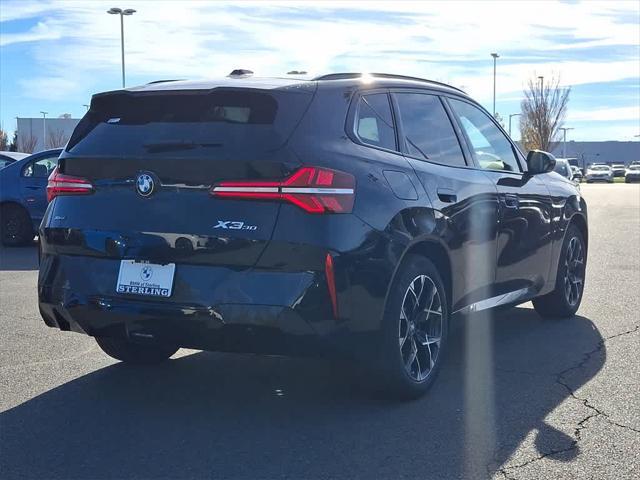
212	308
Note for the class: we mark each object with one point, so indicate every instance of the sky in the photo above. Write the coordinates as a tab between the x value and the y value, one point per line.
55	54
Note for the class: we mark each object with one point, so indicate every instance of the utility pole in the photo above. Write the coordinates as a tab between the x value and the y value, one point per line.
495	57
564	140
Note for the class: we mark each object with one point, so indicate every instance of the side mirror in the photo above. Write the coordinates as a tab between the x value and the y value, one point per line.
540	162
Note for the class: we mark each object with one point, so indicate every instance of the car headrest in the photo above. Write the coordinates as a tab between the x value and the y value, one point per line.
40	171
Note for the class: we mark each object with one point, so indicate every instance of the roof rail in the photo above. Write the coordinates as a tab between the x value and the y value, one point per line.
346	76
165	81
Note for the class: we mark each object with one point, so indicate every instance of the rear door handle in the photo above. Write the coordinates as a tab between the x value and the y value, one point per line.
510	201
447	196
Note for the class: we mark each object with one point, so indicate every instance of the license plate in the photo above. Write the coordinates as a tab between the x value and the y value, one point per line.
144	278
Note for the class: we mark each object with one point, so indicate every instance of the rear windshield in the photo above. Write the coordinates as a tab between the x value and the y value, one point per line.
600	168
214	124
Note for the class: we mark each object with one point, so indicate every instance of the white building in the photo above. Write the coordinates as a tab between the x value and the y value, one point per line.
36	134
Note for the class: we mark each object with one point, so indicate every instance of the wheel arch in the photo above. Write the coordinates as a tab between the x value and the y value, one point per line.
433	250
580	221
11	202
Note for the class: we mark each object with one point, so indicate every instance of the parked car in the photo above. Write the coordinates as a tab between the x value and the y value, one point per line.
7	158
563	168
632	174
635	162
577	173
619	169
348	213
23	196
599	173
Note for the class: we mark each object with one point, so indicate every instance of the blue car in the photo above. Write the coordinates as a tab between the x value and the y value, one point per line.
23	196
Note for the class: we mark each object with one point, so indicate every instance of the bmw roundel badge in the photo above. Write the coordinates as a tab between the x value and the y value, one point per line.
145	184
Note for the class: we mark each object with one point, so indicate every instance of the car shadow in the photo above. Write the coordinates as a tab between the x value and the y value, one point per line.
243	416
19	258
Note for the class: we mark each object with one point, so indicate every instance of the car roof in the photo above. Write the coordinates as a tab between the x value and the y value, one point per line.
338	80
44	153
14	155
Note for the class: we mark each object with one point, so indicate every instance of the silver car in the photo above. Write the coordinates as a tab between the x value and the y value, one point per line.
563	168
599	173
632	174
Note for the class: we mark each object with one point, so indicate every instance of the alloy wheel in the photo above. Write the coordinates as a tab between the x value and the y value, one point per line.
11	228
420	328
574	271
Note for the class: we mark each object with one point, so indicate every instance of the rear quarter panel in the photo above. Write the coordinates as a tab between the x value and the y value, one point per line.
368	244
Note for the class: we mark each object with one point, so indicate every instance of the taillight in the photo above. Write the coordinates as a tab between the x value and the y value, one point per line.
60	184
315	190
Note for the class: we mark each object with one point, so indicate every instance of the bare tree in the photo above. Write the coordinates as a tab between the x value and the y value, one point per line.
27	143
56	138
543	112
4	140
13	146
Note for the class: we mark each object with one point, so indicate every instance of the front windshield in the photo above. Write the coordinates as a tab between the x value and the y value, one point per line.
600	168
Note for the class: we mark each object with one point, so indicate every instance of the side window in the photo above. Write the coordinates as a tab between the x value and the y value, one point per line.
374	122
491	148
427	129
41	168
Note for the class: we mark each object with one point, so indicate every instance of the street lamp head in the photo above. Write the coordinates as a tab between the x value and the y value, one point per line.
128	11
495	55
114	11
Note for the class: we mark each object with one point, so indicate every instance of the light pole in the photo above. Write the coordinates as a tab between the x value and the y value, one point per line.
44	129
510	117
564	140
495	57
122	13
541	78
86	106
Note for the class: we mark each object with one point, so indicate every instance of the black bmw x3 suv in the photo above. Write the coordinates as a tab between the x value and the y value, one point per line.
350	214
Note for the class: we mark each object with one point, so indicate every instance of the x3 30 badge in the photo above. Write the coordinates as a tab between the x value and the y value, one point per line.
234	225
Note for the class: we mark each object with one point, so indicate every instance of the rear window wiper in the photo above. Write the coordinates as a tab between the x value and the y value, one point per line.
169	146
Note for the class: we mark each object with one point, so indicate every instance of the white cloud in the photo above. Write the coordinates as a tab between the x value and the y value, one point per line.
605	114
41	31
49	88
76	43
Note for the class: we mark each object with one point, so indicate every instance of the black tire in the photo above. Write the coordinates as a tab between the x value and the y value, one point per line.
134	353
16	228
563	303
390	373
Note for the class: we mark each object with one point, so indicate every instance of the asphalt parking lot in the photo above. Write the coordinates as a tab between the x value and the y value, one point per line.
518	397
